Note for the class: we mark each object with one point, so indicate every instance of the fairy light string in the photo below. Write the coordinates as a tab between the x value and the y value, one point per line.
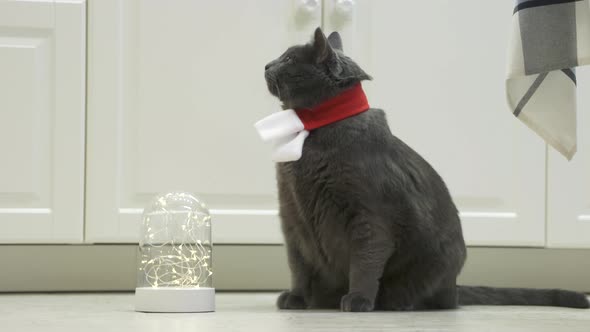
176	251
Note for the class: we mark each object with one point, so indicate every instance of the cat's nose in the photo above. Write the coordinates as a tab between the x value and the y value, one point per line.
270	64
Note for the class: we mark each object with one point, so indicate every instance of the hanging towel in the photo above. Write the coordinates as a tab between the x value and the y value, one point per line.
549	39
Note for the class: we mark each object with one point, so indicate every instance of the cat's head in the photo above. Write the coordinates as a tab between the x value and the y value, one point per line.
306	75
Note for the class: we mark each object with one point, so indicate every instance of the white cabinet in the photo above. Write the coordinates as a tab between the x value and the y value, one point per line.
42	86
568	190
174	89
438	69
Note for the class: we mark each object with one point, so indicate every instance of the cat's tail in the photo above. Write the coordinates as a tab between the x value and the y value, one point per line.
471	295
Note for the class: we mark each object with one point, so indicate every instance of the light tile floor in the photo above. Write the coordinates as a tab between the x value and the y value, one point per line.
256	312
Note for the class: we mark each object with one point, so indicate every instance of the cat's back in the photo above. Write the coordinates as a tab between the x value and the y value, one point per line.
361	155
366	135
358	166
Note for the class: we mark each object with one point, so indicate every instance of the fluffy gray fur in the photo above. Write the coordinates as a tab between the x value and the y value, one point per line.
368	223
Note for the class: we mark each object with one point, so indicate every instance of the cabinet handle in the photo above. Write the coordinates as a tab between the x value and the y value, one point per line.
308	7
344	8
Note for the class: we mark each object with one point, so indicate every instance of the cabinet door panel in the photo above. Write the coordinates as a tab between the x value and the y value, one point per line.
42	83
438	69
174	89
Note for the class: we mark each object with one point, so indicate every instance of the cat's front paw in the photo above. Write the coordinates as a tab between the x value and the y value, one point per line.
289	301
355	302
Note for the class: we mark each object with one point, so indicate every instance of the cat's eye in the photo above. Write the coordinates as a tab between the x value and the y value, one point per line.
288	59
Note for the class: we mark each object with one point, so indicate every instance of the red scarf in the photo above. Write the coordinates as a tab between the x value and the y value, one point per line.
349	103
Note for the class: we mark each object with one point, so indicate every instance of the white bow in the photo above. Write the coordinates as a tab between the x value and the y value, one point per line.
286	131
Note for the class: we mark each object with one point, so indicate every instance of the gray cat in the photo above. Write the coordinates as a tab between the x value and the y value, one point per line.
369	224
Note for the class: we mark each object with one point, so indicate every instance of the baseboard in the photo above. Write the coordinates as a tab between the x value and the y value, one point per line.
49	268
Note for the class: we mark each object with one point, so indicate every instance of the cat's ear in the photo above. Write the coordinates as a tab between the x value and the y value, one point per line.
325	54
322	49
335	40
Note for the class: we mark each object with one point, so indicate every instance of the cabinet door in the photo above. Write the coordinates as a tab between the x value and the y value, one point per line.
174	90
568	190
438	69
42	83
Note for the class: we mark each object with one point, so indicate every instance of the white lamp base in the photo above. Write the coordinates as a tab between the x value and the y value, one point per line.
174	299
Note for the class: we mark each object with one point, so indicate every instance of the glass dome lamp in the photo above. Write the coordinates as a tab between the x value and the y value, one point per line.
174	262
